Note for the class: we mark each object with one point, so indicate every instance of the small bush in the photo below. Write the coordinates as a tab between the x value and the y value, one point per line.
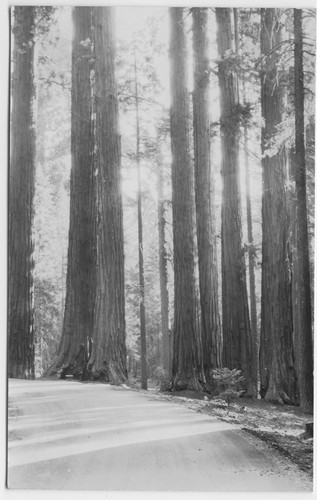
161	378
228	383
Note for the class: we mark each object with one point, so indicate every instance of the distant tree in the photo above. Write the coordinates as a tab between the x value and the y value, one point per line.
21	194
108	358
304	316
204	189
51	199
277	371
237	345
164	297
80	284
140	235
138	87
251	254
187	370
245	127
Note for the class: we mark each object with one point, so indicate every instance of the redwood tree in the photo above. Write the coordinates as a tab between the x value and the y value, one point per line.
187	371
80	283
277	371
21	194
304	316
237	344
108	359
204	190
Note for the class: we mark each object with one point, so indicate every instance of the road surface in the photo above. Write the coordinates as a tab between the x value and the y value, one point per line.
69	435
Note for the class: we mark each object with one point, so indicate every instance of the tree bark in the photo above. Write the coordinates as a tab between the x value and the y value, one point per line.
304	343
187	371
108	358
277	370
204	190
80	281
21	193
237	344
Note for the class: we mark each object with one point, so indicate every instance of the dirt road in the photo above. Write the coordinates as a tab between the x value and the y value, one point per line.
68	435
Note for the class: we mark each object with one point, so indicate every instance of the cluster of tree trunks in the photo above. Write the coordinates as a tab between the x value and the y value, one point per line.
94	306
93	338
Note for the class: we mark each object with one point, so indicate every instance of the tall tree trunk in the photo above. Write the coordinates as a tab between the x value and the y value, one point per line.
108	358
204	188
21	193
304	344
80	281
251	253
41	127
251	249
163	265
277	371
237	345
292	201
187	370
140	239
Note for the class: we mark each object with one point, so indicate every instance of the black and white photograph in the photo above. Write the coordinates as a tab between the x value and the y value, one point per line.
160	248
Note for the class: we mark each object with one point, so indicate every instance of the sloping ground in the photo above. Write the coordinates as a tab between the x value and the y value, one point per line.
282	427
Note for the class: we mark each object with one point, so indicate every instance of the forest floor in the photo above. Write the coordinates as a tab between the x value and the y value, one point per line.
281	426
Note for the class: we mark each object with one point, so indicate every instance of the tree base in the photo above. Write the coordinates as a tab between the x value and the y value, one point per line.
273	395
110	375
181	383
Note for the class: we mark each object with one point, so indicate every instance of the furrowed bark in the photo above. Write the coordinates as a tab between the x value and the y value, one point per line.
277	370
108	359
21	344
187	371
81	260
237	344
204	190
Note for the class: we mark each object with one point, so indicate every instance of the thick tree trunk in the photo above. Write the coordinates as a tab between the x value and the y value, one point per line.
204	188
187	370
304	344
140	240
108	359
80	282
163	266
237	344
277	371
21	193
